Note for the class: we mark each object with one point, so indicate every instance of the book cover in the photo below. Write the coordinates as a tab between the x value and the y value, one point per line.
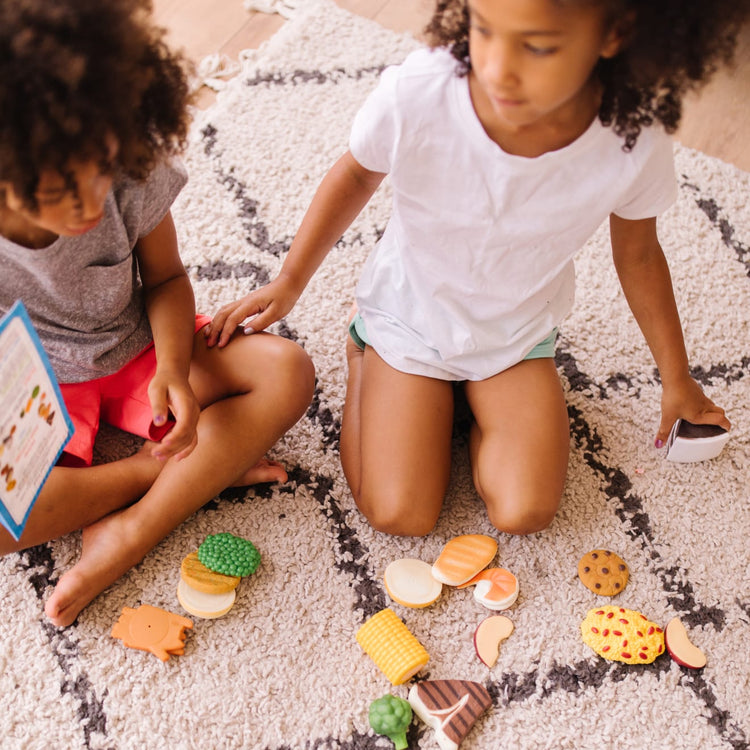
34	424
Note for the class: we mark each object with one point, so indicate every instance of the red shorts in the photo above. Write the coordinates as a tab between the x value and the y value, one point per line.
120	399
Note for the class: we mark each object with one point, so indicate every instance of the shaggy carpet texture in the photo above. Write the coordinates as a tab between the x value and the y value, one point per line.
282	669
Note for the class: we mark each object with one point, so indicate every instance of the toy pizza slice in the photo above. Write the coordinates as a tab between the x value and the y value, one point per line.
463	557
450	707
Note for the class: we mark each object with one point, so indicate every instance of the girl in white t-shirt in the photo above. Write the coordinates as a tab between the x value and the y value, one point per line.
507	144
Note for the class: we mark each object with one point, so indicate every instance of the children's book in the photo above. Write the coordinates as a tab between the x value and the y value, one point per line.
34	424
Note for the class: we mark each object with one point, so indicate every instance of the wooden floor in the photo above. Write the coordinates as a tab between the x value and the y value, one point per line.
715	121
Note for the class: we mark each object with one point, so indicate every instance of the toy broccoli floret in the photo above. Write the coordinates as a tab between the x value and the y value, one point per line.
391	716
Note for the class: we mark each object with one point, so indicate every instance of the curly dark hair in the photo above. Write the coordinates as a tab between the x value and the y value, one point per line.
76	73
673	47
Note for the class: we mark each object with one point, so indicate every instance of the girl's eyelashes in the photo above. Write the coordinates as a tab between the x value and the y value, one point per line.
482	30
540	51
51	197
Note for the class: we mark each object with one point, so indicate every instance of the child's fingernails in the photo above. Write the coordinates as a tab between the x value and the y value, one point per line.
248	330
159	419
658	443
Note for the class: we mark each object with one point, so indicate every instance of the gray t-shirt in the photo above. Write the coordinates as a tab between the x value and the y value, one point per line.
83	293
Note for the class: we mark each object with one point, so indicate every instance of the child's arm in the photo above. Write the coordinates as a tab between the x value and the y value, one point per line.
646	282
342	194
170	307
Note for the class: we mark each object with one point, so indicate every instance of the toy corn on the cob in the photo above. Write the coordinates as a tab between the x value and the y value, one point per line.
390	644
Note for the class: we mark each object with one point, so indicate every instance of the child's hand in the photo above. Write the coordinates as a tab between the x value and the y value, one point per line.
686	400
171	393
268	304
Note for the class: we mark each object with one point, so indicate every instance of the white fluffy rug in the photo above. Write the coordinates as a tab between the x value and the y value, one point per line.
283	670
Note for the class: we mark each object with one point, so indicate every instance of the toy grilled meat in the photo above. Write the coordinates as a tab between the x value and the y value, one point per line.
450	707
463	557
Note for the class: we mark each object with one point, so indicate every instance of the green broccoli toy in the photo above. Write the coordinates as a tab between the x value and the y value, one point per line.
391	716
229	554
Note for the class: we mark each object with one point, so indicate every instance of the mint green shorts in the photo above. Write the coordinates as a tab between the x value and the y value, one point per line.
542	350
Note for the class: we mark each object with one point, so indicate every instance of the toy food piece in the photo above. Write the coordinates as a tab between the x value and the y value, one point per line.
152	629
450	707
199	577
688	442
620	634
680	648
495	588
391	716
201	604
390	644
603	572
410	582
463	557
488	636
229	554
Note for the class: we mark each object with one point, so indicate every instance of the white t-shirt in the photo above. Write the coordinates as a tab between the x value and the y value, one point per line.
476	264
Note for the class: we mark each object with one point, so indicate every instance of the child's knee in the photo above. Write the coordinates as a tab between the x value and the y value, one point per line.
522	517
397	518
293	370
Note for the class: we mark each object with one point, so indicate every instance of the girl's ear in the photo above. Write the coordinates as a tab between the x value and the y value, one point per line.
619	35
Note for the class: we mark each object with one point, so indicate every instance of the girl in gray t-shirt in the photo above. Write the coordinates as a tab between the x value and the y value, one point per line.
92	108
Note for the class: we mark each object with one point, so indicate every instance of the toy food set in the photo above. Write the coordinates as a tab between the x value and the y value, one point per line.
450	707
210	576
620	634
603	572
688	442
152	629
410	582
495	588
391	716
463	557
390	644
488	636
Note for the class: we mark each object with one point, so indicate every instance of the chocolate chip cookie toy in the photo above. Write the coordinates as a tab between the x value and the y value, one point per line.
603	572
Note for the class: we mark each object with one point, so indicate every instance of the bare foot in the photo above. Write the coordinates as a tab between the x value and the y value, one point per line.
109	550
264	471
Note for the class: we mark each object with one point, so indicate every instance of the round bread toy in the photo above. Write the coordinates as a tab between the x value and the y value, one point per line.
620	634
199	577
200	604
229	554
410	582
603	572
